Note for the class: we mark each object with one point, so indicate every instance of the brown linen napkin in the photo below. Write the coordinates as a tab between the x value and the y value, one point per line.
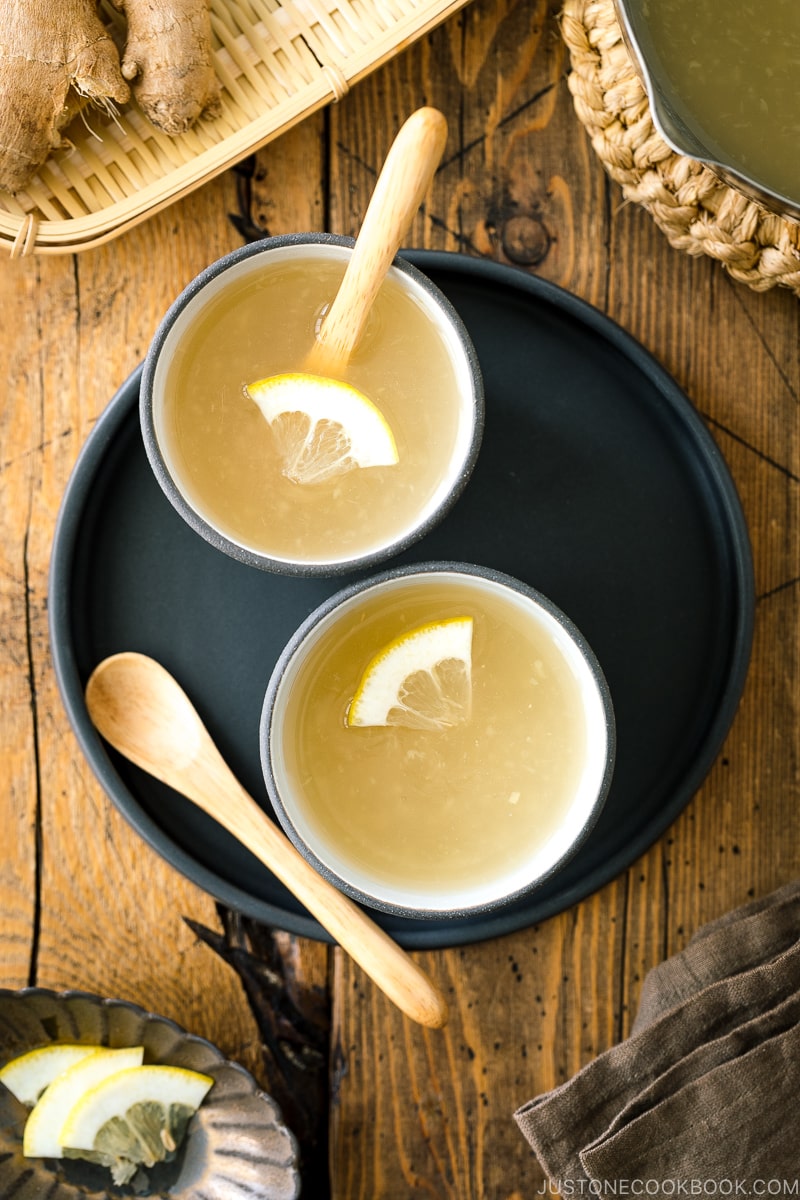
703	1093
735	942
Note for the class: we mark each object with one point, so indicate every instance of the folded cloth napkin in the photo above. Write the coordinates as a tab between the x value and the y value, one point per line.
702	1098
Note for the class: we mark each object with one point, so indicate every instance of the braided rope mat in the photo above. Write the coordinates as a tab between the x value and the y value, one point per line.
698	212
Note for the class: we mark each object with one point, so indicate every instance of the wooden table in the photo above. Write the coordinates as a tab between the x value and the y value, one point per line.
84	903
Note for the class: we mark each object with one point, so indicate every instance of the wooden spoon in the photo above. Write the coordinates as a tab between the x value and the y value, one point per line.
139	708
406	176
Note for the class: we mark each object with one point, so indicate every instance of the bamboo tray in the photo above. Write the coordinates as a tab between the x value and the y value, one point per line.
277	61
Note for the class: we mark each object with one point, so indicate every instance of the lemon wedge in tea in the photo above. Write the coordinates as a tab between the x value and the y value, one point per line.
421	680
322	427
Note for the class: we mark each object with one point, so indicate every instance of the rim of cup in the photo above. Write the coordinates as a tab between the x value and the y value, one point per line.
191	302
591	793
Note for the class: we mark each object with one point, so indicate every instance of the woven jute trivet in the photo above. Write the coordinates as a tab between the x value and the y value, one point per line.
698	212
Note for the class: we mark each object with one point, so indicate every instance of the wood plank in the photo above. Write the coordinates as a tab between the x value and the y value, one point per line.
24	436
431	1113
282	189
736	354
111	910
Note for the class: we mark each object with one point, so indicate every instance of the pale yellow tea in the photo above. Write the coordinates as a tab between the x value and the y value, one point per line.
227	458
451	816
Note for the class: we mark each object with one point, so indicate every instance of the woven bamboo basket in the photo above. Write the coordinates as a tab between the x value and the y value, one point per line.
277	61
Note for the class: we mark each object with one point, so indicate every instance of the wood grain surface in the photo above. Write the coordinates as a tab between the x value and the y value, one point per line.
85	903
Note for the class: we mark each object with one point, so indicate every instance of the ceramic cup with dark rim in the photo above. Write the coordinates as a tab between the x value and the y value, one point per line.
452	456
502	822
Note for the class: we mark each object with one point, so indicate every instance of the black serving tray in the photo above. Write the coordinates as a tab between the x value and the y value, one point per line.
597	483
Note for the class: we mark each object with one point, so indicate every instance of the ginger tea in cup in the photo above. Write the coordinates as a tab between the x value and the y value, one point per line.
309	476
437	739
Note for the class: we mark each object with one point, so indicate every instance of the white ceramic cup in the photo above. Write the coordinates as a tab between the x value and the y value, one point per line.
256	260
350	869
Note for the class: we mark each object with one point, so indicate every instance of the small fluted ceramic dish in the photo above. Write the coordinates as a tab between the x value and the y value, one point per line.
236	1146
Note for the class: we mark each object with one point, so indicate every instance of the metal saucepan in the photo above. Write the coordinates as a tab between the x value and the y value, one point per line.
774	183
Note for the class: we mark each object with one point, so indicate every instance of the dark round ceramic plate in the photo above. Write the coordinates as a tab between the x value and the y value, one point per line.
597	483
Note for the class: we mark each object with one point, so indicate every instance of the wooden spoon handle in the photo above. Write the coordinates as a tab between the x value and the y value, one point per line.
221	795
406	176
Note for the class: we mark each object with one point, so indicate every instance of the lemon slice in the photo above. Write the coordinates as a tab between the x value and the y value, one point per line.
422	679
138	1116
322	427
28	1075
42	1136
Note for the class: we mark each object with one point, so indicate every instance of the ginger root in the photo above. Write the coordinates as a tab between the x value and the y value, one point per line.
49	49
55	54
167	60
